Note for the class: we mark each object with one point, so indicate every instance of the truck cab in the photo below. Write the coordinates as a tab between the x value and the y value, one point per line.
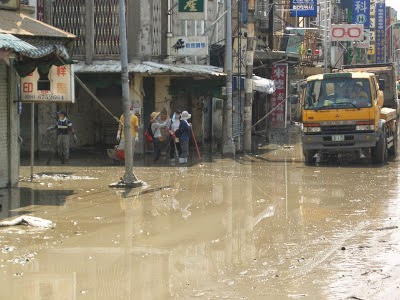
343	113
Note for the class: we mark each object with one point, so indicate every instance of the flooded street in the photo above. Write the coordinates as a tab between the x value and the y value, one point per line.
244	229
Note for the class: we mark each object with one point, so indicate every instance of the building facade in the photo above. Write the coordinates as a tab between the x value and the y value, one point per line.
162	76
34	36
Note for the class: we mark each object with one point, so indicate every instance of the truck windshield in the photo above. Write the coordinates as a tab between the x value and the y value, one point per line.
338	93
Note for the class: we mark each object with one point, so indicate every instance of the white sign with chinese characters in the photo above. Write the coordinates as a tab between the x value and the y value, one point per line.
55	86
189	46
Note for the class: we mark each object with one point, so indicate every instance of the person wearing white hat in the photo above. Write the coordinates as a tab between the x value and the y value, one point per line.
184	136
156	130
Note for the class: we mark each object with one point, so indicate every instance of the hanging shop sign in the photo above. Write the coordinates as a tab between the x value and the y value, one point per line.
346	32
55	86
295	41
361	10
278	98
303	8
371	49
10	4
380	19
189	46
366	41
192	9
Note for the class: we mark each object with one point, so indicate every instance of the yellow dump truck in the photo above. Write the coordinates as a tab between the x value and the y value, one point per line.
351	112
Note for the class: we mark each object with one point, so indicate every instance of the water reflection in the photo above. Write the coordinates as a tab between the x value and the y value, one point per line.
221	230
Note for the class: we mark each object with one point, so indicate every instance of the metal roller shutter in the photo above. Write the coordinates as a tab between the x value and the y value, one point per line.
4	170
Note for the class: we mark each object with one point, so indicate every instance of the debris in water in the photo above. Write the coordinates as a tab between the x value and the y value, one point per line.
30	221
343	248
200	294
387	228
7	249
62	177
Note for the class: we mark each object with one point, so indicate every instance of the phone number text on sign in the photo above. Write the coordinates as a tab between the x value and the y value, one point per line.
55	86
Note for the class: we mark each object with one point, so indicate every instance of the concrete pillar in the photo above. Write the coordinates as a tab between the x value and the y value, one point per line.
162	97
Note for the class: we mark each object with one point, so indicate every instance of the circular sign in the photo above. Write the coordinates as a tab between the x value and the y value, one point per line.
361	19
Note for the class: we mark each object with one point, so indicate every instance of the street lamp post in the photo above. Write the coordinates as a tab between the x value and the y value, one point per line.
390	38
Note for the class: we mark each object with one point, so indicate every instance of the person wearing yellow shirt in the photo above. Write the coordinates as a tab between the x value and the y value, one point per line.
134	130
358	93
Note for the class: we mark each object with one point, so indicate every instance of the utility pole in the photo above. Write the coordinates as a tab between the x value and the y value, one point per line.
228	147
129	179
249	78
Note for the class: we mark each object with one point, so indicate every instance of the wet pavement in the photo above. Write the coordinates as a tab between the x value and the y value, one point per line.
228	229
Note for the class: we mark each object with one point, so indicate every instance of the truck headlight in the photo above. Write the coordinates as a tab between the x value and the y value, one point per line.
311	129
365	127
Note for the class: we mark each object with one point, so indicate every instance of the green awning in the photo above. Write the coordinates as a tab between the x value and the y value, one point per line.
42	58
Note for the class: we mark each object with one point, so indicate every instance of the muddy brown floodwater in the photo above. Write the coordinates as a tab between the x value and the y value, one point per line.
221	230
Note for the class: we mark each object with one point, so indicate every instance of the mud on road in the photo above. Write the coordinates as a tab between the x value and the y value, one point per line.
226	229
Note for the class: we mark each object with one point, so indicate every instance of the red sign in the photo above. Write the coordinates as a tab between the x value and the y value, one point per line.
40	10
278	99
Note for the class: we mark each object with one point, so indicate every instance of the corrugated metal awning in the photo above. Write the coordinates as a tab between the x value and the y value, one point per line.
10	42
149	68
39	52
21	25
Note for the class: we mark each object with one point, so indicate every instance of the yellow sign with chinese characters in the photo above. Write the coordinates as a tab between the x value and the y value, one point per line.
55	86
371	50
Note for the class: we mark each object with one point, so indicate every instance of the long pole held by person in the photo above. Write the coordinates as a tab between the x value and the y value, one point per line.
129	177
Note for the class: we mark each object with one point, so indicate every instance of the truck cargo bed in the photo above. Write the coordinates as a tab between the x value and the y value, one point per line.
388	114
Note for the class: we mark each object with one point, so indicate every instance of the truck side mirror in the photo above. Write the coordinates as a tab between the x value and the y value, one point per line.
381	84
381	98
293	88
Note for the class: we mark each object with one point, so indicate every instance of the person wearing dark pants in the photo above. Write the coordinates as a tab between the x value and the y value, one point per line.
64	127
184	136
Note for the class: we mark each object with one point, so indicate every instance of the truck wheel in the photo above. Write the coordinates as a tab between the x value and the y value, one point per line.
380	152
393	150
308	157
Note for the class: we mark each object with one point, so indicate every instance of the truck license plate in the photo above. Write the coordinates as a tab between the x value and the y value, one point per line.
337	138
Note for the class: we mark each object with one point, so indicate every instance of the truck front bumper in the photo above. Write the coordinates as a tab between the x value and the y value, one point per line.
352	141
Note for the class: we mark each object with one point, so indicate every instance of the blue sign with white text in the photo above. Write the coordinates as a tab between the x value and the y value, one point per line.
361	12
303	8
380	39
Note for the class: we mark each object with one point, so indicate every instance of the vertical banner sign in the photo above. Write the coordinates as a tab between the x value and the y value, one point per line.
380	21
40	10
303	8
361	13
278	116
388	32
192	9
